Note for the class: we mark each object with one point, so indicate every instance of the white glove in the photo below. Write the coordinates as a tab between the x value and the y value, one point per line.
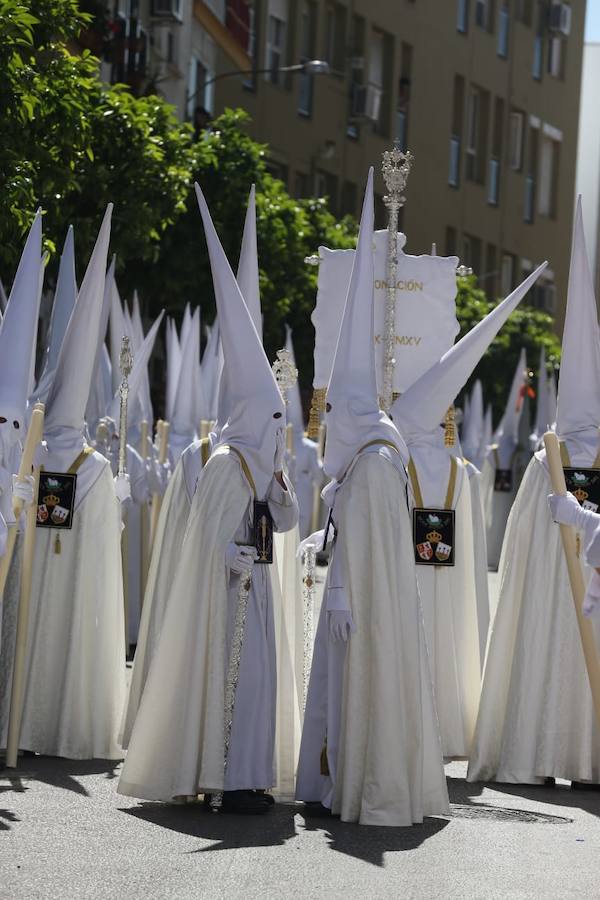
3	536
122	488
565	510
23	490
314	541
280	448
341	625
591	601
239	559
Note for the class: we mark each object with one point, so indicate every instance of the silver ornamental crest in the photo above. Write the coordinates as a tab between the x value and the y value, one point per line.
285	372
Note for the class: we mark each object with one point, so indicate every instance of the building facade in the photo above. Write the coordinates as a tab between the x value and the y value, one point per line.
588	157
485	94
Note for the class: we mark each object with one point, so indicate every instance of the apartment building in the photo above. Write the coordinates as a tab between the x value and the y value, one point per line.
588	156
485	93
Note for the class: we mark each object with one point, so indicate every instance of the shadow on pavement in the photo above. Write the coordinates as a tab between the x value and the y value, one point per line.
56	772
230	832
462	792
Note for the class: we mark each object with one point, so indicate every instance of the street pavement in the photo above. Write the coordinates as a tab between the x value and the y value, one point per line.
65	833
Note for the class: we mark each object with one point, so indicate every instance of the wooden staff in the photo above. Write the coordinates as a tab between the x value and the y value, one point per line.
34	436
144	520
162	429
18	679
204	428
567	533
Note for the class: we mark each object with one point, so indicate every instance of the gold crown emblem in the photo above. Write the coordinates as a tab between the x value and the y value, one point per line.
580	494
51	500
434	536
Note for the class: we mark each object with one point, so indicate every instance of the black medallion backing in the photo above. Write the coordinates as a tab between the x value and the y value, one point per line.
263	532
56	500
585	485
433	536
503	481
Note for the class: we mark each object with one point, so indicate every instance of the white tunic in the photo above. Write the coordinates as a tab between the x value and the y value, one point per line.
536	718
372	698
176	746
75	671
450	604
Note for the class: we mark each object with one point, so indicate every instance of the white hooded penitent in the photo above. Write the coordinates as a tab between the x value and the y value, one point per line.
256	407
353	416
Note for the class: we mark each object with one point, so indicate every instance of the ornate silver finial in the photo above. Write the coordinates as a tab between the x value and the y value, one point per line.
125	365
313	260
463	271
285	372
395	170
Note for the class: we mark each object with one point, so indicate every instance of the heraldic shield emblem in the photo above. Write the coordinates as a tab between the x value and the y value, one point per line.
56	500
585	485
433	536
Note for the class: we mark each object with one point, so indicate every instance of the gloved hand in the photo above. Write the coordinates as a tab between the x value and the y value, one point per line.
591	601
280	447
122	488
3	536
341	625
565	510
239	559
23	490
314	541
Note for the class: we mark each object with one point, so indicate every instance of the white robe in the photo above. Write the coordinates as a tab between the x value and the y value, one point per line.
499	503
481	563
372	697
536	718
450	605
75	668
169	536
176	746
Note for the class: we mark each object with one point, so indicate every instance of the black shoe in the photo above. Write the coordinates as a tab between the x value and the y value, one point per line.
244	803
316	811
264	795
584	786
550	782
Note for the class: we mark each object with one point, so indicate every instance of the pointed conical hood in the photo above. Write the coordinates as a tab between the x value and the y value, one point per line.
212	368
138	370
137	326
471	434
98	399
248	272
579	378
486	438
552	400
295	415
71	386
185	408
423	406
353	416
173	366
18	334
256	407
144	395
3	299
65	296
507	433
248	283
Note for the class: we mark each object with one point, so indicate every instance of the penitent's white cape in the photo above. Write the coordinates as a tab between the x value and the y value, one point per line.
450	605
172	522
480	552
75	675
536	718
384	753
176	746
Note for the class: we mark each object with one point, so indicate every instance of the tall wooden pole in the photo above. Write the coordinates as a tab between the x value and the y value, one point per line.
567	533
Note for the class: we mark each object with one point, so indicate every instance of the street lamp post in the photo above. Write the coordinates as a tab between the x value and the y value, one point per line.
310	67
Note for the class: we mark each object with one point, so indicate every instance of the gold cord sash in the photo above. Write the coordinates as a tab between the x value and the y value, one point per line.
412	471
566	460
245	468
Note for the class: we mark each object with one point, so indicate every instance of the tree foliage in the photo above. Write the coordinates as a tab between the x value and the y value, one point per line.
527	328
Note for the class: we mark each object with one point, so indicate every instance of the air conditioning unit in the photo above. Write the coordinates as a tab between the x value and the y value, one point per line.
166	9
560	18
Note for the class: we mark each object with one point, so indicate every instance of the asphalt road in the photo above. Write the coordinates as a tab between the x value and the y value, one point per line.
65	833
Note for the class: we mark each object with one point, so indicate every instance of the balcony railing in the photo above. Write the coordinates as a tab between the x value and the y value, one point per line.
454	166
